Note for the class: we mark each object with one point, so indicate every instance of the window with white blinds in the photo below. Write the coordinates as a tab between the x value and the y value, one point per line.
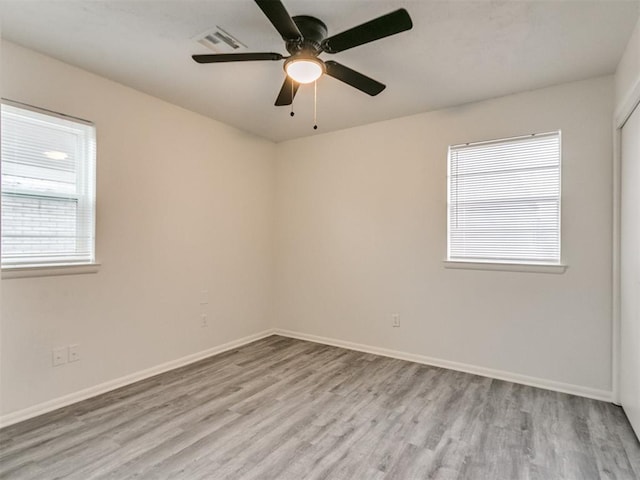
48	188
504	200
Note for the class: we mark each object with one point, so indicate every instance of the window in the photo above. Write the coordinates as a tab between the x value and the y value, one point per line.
504	201
48	188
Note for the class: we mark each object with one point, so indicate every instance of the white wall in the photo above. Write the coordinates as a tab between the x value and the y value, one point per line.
627	78
361	234
184	205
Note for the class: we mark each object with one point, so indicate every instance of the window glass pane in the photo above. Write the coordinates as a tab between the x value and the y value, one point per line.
38	226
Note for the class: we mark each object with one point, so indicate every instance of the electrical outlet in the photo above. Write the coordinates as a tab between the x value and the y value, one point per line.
60	356
395	320
74	353
204	321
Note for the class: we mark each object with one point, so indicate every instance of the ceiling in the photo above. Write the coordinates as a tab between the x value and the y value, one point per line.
457	52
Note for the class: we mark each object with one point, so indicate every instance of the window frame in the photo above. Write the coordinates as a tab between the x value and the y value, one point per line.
85	201
515	265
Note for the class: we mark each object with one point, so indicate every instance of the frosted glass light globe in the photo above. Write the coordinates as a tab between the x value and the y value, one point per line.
304	70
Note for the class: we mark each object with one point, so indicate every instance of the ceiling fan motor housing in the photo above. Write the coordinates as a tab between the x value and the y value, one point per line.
313	31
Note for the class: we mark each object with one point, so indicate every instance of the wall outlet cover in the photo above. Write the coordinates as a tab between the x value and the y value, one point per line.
60	356
74	353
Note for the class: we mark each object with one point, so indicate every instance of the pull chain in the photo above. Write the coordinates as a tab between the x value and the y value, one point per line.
315	105
292	114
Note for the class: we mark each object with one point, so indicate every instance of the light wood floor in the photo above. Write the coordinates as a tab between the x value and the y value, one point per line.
291	410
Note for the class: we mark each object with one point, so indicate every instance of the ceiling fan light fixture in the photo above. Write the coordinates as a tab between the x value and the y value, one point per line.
304	70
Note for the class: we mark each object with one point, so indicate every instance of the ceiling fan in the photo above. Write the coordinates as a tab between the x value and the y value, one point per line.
306	37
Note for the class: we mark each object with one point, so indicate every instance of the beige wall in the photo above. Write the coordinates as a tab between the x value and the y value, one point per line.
361	234
184	205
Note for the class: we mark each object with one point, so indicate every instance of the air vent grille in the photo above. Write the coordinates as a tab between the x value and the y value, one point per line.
220	41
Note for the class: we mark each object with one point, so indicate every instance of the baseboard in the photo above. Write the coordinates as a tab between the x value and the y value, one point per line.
578	390
45	407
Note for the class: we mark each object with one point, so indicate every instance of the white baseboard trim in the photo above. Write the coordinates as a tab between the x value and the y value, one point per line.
578	390
56	403
66	400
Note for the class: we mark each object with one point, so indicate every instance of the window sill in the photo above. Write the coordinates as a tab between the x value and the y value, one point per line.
49	270
506	267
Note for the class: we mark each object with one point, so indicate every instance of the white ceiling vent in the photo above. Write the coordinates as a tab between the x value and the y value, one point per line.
220	41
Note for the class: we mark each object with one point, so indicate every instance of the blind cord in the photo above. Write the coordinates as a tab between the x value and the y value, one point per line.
456	164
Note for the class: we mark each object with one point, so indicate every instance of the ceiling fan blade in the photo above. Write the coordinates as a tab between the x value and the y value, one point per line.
287	92
353	78
384	26
280	19
235	57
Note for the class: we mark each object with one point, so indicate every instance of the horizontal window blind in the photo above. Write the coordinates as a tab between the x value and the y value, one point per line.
48	188
504	200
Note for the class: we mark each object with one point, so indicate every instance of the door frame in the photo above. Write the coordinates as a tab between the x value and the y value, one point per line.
621	115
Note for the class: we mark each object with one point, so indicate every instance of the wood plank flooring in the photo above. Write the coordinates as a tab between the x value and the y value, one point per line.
291	410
